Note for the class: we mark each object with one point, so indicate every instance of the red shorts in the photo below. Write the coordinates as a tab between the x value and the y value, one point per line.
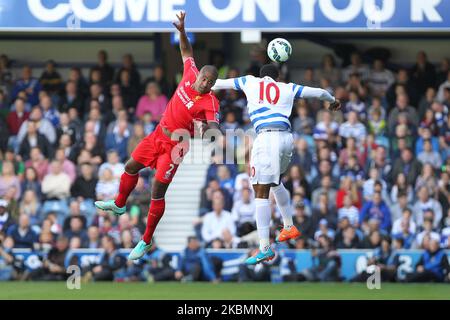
158	151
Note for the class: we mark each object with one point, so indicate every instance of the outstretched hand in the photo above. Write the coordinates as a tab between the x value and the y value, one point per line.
180	24
335	106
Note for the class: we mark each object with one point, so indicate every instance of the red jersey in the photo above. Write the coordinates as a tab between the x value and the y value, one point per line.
187	105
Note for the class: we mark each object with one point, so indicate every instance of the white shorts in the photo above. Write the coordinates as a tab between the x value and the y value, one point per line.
270	157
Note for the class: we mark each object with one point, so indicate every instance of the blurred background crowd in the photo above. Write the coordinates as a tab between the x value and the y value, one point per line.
374	175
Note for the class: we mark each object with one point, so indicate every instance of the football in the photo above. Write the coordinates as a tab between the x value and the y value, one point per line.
279	50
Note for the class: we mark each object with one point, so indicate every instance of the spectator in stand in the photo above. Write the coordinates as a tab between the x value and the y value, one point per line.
51	80
353	128
138	134
49	111
296	179
349	211
428	179
216	221
106	70
406	216
53	268
93	238
370	185
380	79
77	229
423	73
401	187
402	106
160	78
29	84
376	209
348	188
194	264
303	123
38	162
356	66
22	234
56	184
349	240
442	74
324	229
325	187
357	84
302	221
428	156
84	185
302	155
113	163
325	129
425	203
6	220
405	233
93	146
428	234
96	93
34	139
386	259
329	70
71	98
30	206
107	185
356	105
409	166
442	86
104	270
324	211
153	101
433	266
8	179
17	117
243	213
325	262
207	195
118	139
44	126
31	182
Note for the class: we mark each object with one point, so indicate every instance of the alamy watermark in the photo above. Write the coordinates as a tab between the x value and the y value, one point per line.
73	282
374	281
73	22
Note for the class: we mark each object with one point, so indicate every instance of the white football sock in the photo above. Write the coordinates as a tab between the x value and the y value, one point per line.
283	202
263	223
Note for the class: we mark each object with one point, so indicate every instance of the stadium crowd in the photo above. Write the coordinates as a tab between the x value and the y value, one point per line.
374	176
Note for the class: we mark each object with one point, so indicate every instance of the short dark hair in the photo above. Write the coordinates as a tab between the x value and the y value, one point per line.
269	70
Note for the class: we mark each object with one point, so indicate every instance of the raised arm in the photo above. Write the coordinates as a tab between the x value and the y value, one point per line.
185	46
321	94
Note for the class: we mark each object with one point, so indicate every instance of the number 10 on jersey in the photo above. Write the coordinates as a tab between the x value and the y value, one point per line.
266	95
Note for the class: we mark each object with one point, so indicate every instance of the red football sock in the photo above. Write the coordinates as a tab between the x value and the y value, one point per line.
127	184
155	213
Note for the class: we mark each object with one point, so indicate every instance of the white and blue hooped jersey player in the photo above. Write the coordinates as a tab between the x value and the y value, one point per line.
269	106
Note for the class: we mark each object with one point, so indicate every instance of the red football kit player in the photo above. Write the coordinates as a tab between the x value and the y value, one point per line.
161	150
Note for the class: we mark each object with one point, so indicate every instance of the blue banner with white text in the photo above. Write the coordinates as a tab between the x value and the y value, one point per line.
225	15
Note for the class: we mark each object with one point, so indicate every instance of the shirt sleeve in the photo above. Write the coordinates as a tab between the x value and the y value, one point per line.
310	92
232	83
189	67
212	110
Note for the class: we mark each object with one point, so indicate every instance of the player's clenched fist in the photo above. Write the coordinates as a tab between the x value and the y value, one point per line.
335	106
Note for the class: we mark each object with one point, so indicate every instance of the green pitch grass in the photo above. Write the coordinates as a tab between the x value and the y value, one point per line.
222	291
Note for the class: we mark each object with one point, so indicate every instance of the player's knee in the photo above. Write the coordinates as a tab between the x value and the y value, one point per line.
132	167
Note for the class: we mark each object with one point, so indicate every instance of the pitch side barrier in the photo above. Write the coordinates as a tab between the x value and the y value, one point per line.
353	261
